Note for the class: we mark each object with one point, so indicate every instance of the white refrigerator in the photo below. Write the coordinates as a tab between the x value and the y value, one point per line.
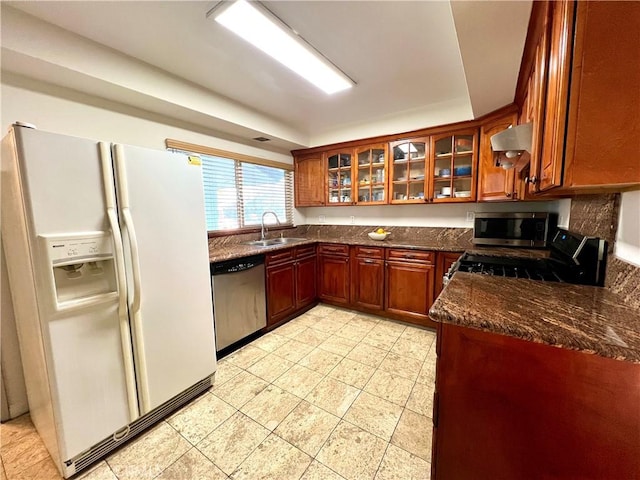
108	264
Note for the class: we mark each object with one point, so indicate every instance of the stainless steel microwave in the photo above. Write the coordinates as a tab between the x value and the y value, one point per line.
532	229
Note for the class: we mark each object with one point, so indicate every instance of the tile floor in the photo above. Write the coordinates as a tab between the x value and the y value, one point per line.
333	394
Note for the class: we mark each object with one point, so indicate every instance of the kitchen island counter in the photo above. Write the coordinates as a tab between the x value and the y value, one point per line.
575	317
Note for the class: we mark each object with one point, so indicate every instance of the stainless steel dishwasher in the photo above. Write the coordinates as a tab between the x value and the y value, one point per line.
239	301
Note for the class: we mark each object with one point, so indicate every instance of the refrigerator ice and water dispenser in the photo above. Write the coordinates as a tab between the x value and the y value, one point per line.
82	268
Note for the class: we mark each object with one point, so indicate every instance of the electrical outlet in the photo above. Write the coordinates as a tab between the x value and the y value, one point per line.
352	219
321	219
470	216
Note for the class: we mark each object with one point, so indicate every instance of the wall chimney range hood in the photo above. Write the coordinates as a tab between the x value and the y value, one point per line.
513	142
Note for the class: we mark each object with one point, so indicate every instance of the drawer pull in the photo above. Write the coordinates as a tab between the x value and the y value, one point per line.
369	261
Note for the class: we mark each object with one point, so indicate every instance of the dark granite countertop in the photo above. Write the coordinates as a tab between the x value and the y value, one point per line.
577	317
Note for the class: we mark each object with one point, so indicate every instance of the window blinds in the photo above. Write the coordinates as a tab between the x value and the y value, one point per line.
237	192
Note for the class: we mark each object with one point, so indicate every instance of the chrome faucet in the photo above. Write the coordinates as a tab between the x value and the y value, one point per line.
264	229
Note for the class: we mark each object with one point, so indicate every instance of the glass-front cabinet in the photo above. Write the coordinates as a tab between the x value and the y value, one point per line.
409	170
371	174
453	167
340	177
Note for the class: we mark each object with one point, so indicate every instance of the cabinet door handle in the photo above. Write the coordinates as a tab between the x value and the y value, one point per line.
436	409
346	260
508	195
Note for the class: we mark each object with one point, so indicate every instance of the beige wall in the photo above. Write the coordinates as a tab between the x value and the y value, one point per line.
69	112
628	235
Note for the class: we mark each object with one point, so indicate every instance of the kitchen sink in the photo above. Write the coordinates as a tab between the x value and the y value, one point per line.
274	241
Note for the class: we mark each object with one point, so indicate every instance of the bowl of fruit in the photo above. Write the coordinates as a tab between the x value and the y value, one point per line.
379	234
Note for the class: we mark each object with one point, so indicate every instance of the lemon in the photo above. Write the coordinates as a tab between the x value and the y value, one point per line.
380	230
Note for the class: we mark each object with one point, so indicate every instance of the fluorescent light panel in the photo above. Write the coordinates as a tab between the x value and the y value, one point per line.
268	35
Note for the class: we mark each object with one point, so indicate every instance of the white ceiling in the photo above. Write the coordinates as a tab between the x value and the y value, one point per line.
416	64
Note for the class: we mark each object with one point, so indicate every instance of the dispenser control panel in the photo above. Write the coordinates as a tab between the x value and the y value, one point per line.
73	248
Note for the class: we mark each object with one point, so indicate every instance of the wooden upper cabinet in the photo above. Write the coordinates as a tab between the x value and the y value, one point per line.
590	95
560	47
603	132
340	177
453	167
409	161
308	174
533	105
494	182
371	174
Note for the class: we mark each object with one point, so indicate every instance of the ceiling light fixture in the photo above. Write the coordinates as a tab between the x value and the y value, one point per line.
258	26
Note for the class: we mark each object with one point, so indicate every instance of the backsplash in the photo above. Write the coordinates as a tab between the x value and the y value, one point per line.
597	215
459	237
455	237
624	279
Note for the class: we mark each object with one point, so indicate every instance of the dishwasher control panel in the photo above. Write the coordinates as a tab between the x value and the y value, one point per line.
236	265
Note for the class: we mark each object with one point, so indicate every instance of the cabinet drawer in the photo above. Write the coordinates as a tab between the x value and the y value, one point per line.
370	252
334	249
280	256
305	251
410	255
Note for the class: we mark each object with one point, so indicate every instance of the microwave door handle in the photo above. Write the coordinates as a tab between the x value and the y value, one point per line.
118	253
121	175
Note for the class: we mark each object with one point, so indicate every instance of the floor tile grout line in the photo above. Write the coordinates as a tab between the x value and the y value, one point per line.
212	461
382	459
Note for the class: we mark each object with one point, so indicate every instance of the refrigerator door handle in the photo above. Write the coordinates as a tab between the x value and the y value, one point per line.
125	332
123	195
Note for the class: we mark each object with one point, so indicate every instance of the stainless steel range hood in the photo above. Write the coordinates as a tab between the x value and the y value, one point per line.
513	141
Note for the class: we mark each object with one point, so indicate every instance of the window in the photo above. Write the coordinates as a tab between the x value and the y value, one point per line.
238	189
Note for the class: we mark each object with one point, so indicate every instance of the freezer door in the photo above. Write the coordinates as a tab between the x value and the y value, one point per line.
73	360
161	207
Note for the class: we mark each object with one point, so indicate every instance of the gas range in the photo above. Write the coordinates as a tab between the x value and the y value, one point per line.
509	267
573	258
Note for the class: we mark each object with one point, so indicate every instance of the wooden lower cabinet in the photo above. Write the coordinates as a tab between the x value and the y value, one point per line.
333	273
291	282
306	281
444	260
367	278
398	283
409	280
281	292
508	408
